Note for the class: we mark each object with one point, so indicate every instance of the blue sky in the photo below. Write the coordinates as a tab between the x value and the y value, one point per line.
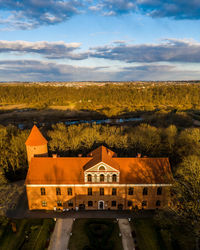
102	40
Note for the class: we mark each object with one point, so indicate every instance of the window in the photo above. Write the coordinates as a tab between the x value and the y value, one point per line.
44	203
114	191
145	191
159	190
158	203
130	191
58	191
90	203
113	203
42	191
101	191
130	203
101	177
89	178
101	168
144	203
70	204
114	178
89	191
69	191
59	203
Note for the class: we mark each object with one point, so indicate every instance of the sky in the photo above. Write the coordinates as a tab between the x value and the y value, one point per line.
100	40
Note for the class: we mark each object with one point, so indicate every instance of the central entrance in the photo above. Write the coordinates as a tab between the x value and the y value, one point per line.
101	205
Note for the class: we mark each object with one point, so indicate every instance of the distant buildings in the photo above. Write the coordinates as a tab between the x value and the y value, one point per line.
96	182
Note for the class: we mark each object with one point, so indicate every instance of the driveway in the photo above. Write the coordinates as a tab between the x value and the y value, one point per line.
127	239
61	234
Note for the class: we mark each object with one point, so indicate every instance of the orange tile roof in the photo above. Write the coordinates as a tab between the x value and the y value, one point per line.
35	138
144	170
60	170
102	154
70	170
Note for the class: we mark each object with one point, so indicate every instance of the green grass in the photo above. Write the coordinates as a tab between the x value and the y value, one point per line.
79	237
38	231
147	236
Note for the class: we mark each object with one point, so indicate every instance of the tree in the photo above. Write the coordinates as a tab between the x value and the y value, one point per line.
186	190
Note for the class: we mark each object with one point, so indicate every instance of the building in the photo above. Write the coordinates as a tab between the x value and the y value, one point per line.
99	181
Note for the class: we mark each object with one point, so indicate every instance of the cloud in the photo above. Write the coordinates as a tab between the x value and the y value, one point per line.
52	50
28	14
37	70
177	9
169	50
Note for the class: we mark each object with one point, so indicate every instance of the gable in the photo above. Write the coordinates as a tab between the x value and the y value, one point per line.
97	168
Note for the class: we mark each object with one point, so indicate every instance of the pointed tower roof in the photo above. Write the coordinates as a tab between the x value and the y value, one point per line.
35	138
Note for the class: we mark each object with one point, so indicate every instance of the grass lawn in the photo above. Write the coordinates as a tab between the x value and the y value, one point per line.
31	234
147	236
79	237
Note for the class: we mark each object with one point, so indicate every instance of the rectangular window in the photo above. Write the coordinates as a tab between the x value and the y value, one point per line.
130	203
69	191
59	203
113	203
58	191
144	203
130	191
44	203
42	190
90	203
89	191
70	204
114	191
101	191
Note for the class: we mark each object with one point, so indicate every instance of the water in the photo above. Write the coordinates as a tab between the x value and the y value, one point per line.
98	121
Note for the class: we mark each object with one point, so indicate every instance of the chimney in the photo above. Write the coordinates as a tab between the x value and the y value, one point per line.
80	155
138	155
54	155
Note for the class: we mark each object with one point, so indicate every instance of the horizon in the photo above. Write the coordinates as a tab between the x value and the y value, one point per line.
100	41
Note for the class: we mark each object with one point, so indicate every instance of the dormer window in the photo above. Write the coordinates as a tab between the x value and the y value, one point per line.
89	177
101	177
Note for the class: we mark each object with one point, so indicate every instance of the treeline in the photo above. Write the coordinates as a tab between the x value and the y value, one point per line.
75	139
108	99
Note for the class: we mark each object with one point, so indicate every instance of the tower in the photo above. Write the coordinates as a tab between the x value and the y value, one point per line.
36	144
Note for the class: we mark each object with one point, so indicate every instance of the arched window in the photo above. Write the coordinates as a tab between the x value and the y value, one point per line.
89	177
114	178
145	191
158	203
101	168
159	190
101	177
108	178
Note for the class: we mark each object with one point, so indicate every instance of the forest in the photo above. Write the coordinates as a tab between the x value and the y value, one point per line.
108	100
169	134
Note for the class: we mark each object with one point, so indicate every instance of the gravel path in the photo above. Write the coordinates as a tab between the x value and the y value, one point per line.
61	234
125	230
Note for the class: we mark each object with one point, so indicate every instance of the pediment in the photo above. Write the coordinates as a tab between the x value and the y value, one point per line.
99	167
